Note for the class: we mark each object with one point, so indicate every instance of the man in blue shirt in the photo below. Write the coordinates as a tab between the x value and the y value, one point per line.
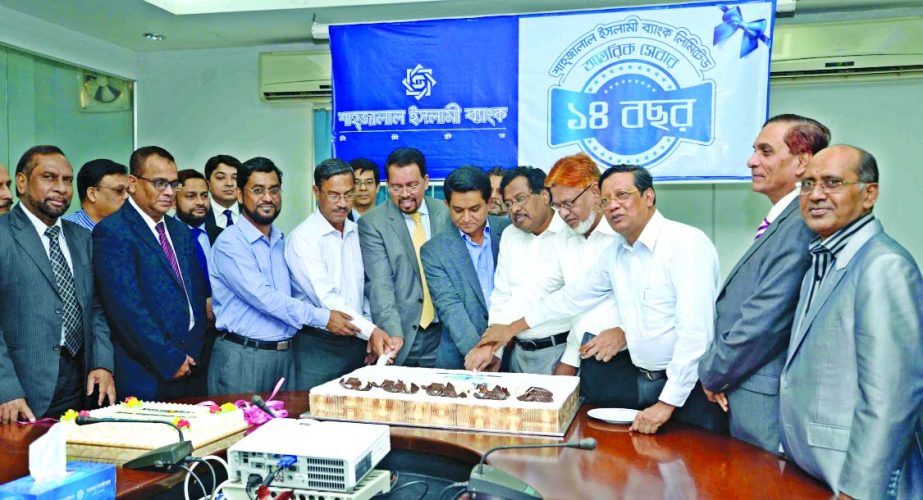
459	265
102	186
255	313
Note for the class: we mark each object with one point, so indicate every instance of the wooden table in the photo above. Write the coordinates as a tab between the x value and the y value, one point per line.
679	462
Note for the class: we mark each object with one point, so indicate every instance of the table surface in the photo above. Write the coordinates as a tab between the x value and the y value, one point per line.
678	462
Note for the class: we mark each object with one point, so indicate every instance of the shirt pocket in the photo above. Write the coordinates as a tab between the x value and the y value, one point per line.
659	304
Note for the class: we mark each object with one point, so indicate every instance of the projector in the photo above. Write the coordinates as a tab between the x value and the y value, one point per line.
328	456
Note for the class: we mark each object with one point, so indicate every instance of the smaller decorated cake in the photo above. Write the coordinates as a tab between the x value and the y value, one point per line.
209	428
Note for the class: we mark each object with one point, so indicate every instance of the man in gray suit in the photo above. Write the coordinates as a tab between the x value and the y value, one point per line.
852	386
390	238
54	340
753	321
459	265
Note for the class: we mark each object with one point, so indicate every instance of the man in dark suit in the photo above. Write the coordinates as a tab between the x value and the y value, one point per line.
54	340
221	173
390	238
459	265
755	307
851	395
151	285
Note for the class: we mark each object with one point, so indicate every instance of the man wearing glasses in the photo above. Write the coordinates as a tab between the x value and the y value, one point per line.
525	276
852	385
325	263
753	314
390	238
596	344
151	285
102	186
664	276
367	180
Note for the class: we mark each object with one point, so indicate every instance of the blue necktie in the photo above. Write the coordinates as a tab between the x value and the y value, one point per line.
227	213
200	253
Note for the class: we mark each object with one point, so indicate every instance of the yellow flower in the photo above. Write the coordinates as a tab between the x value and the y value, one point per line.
226	407
69	416
132	402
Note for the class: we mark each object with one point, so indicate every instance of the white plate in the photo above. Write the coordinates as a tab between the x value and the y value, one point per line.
613	415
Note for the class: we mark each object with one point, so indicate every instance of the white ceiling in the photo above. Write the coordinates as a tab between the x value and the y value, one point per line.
122	22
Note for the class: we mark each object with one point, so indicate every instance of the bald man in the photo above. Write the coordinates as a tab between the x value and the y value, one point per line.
6	196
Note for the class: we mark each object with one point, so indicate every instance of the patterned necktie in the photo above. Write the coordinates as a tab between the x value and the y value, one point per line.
762	229
72	314
822	259
227	213
200	251
168	251
428	314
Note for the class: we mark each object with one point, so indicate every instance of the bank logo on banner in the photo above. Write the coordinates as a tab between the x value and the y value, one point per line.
419	82
638	94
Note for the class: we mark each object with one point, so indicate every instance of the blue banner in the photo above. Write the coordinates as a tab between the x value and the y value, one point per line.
679	89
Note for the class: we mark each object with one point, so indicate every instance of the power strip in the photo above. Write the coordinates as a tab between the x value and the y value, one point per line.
376	482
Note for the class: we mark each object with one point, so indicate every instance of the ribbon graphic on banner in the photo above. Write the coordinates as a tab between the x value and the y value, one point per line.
732	20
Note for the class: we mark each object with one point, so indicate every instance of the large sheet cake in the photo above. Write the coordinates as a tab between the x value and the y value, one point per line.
451	399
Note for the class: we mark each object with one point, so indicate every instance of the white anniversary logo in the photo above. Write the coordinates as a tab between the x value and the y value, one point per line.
419	82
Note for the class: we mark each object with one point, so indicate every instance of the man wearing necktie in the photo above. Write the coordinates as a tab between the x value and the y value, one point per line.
852	384
390	238
151	285
54	339
740	370
221	173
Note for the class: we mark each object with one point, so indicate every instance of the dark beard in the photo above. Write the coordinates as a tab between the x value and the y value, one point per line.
191	220
261	219
50	212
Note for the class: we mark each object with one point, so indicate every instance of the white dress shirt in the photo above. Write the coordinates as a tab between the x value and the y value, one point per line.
221	220
576	255
665	287
326	269
780	205
153	227
40	228
525	276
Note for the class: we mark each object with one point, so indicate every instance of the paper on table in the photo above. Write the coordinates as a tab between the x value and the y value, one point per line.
48	454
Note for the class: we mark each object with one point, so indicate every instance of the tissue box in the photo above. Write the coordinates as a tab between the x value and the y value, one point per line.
84	481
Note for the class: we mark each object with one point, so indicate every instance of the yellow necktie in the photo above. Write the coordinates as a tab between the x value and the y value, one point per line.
419	238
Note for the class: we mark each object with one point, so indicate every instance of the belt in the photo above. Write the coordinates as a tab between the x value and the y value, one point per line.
266	345
543	343
652	375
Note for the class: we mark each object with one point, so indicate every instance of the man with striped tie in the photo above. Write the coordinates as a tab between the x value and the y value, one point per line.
740	370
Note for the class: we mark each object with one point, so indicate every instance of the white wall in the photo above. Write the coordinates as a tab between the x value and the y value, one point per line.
199	103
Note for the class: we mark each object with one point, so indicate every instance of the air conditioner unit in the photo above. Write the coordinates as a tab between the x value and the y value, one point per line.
884	48
295	76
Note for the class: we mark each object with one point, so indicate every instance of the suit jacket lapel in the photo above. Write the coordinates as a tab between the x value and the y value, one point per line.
399	226
438	216
827	289
80	262
792	206
173	229
143	233
25	234
462	259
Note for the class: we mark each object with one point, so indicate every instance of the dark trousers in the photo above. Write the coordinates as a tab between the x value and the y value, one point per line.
613	384
619	384
69	388
425	345
321	356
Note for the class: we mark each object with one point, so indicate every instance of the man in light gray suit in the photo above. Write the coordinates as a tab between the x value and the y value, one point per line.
390	237
54	339
459	265
852	385
753	321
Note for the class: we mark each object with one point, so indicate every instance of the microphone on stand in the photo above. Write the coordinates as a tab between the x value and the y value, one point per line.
158	458
259	403
487	482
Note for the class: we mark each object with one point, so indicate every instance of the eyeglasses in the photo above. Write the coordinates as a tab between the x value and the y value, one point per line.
119	191
619	195
335	197
260	191
827	185
517	201
411	188
569	204
161	184
369	183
